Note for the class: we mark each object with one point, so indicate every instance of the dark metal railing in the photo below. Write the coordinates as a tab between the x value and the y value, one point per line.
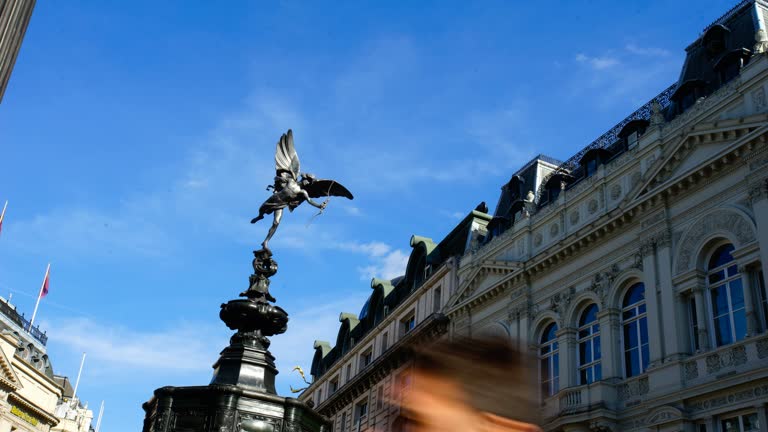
19	319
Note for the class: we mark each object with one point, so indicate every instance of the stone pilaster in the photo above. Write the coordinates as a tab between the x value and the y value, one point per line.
671	321
651	303
749	303
609	334
566	338
701	317
758	194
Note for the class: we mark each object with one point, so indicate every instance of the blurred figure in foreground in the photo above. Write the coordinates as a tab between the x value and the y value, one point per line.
471	385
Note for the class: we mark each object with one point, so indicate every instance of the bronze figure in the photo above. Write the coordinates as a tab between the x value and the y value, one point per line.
292	187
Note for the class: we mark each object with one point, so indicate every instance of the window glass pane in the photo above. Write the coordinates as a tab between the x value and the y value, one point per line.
556	364
642	308
627	314
589	375
751	423
585	353
545	349
589	315
554	346
583	333
719	301
633	369
737	294
740	324
630	335
732	270
635	294
597	347
583	376
723	330
643	330
545	369
628	363
598	372
721	256
717	276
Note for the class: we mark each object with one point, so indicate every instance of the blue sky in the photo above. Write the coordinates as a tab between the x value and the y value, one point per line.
137	140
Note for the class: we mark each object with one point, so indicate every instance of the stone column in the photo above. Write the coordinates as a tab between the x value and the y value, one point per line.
749	304
671	322
759	197
609	339
651	303
566	338
701	317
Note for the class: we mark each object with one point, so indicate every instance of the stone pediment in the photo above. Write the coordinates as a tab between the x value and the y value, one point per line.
482	278
700	148
665	414
8	376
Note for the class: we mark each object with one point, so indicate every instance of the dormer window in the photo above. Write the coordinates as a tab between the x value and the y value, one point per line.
715	40
688	93
554	186
593	159
729	66
632	131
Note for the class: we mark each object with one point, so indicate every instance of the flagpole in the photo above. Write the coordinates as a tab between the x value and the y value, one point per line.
101	412
2	215
39	296
77	383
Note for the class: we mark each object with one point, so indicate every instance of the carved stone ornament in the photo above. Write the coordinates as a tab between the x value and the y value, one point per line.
691	370
592	206
657	118
733	357
633	389
560	301
733	398
615	192
761	42
554	229
759	191
758	99
720	220
537	239
762	348
574	217
602	281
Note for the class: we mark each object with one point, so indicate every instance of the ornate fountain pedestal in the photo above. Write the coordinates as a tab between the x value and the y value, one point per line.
241	395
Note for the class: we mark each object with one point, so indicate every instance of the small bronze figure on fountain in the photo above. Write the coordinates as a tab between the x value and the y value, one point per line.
292	187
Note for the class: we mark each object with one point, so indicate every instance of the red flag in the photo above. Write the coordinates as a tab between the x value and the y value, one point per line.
44	289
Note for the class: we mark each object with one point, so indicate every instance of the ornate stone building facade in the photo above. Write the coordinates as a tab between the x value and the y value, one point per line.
14	19
355	380
636	269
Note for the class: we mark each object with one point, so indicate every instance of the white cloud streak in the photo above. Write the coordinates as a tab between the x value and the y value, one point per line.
597	63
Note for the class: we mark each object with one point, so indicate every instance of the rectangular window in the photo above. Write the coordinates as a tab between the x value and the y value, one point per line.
343	423
437	300
366	358
333	386
319	396
385	342
694	327
349	372
741	423
361	410
408	324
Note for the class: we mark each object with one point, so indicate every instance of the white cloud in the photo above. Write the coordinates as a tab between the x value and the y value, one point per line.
597	63
386	262
647	51
184	348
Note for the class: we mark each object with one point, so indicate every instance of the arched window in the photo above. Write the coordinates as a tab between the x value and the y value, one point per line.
726	296
549	360
635	324
589	346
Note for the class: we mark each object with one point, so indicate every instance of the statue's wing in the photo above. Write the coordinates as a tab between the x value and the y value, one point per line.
324	188
286	158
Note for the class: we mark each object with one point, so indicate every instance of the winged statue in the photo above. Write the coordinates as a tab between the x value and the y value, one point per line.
292	187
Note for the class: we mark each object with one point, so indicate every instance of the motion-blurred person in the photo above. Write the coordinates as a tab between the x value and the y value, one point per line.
468	385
